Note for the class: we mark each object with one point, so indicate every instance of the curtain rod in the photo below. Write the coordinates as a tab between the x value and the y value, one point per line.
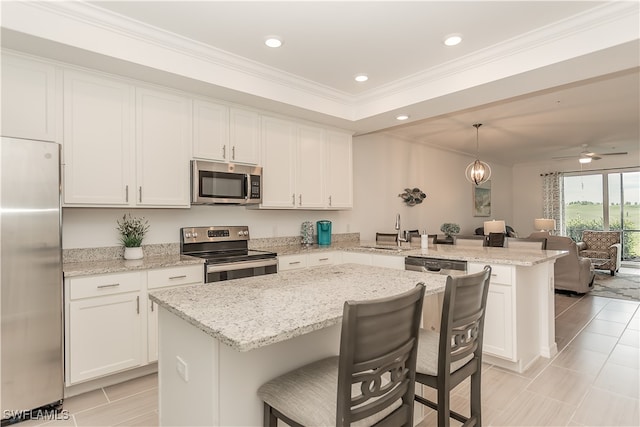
593	170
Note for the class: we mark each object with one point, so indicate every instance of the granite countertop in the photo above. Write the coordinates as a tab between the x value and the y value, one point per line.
253	312
519	256
85	268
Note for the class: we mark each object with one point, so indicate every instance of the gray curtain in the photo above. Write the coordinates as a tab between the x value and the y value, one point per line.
552	199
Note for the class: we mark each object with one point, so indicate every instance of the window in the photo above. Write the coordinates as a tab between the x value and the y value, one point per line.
608	200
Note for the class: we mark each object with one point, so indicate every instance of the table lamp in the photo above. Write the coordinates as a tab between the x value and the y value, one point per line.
544	224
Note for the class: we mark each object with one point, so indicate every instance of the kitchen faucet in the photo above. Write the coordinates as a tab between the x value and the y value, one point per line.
397	227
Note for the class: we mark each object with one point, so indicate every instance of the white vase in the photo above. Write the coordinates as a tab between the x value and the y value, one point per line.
133	253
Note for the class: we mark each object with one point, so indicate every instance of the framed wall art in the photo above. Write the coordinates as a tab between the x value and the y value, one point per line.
482	199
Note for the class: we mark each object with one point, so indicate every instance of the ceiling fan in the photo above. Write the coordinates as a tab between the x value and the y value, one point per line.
586	156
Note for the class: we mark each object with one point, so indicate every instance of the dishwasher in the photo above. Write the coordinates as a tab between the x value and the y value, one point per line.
432	304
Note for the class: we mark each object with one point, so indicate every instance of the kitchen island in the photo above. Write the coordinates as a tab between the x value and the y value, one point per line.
220	341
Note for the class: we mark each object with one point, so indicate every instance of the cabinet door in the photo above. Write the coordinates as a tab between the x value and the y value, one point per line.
322	258
498	323
98	140
338	170
210	131
278	163
163	140
388	261
292	262
244	136
28	99
152	331
356	258
105	335
310	173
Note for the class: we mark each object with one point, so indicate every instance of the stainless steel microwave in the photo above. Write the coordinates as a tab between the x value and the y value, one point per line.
215	183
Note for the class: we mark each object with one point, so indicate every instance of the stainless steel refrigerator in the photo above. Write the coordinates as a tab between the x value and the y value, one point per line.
31	279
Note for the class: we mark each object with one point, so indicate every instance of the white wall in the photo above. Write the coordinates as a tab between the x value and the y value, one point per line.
527	184
383	167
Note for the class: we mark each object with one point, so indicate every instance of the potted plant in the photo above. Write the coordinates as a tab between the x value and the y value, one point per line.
450	229
132	231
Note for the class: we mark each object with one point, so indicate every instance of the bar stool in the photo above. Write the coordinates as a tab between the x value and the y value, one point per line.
447	358
373	378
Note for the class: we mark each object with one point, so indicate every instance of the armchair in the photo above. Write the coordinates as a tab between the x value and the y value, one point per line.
602	245
571	272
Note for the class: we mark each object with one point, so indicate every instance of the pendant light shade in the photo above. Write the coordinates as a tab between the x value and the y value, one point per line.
478	171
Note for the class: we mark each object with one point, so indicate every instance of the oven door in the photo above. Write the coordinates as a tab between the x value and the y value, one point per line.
237	270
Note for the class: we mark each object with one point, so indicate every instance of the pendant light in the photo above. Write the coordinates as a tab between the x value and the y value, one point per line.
478	171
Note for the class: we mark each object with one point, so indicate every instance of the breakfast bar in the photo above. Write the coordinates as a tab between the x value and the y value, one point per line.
219	342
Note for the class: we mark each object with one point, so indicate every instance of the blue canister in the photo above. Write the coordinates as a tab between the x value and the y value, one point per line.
324	232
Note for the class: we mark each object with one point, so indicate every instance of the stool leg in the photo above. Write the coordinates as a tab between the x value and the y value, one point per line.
476	398
270	419
443	407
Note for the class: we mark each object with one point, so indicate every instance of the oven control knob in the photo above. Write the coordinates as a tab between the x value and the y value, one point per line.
245	233
195	234
240	233
187	235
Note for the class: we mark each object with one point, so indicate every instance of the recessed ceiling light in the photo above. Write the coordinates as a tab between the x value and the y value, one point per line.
361	78
452	39
273	41
402	117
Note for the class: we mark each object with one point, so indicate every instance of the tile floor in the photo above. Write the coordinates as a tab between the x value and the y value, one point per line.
594	380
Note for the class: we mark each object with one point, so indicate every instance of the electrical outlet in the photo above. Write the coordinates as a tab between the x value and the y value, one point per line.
182	368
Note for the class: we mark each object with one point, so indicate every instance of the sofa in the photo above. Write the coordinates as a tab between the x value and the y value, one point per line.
571	272
602	245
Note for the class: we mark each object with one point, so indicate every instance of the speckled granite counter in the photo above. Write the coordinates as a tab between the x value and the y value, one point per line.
521	257
249	313
84	268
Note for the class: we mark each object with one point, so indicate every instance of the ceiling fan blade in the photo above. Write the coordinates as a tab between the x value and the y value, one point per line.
595	157
564	157
613	154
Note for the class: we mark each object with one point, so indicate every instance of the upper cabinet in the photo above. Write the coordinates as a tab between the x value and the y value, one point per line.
163	139
99	155
124	146
305	167
225	134
28	99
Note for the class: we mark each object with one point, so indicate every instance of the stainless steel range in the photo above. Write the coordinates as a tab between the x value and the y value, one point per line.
226	251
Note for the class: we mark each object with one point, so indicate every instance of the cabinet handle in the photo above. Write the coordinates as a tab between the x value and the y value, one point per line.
138	304
300	199
329	200
233	152
112	285
224	151
323	259
140	194
294	262
152	304
126	193
178	277
293	199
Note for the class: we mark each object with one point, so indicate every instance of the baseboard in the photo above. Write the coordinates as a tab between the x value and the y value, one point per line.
120	377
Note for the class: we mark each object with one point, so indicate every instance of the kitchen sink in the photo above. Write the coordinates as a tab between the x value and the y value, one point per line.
387	248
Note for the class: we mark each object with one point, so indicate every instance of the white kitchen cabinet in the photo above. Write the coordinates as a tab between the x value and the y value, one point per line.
225	134
292	262
210	131
163	141
244	136
379	260
338	173
310	168
500	318
278	163
105	321
165	278
324	258
28	99
124	146
99	156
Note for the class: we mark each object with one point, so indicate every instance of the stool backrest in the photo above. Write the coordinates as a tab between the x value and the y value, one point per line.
378	353
526	243
462	325
386	238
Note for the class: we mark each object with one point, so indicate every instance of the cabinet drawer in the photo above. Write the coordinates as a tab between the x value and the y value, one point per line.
159	278
105	284
500	274
323	258
292	262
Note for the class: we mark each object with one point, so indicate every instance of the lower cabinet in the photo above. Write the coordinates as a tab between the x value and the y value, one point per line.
499	322
105	324
312	259
388	261
110	323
